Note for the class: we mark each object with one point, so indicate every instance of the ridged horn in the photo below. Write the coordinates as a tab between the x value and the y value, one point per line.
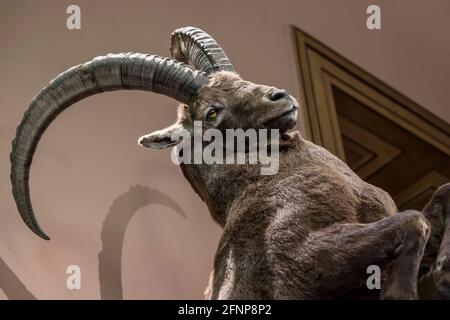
106	73
194	46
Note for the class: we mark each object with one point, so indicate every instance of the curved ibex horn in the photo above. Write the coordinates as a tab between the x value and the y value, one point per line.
194	46
106	73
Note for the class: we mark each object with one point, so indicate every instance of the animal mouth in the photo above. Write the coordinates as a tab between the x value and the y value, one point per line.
282	116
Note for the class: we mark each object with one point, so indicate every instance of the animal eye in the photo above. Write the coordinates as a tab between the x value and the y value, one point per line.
212	115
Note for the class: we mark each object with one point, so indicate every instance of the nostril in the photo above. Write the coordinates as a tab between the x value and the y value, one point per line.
277	95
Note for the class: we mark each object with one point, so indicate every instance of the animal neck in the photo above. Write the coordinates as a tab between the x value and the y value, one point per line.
218	185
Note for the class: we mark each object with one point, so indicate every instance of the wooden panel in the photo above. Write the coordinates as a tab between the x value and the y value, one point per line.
386	138
381	151
403	164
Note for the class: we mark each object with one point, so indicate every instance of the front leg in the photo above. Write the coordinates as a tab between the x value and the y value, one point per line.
436	258
327	264
240	269
344	252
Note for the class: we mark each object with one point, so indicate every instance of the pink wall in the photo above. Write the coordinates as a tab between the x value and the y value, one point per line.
89	157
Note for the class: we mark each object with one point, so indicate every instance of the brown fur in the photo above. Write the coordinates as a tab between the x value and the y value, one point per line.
311	230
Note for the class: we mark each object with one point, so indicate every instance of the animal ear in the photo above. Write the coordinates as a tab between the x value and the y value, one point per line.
162	139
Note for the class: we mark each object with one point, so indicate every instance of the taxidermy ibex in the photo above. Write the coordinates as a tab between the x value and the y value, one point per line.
308	232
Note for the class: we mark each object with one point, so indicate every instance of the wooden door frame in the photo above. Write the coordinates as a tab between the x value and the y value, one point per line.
320	68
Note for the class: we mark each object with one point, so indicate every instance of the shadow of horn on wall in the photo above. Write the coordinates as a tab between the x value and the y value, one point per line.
113	231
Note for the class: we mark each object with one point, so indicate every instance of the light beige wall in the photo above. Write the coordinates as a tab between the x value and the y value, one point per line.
89	156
